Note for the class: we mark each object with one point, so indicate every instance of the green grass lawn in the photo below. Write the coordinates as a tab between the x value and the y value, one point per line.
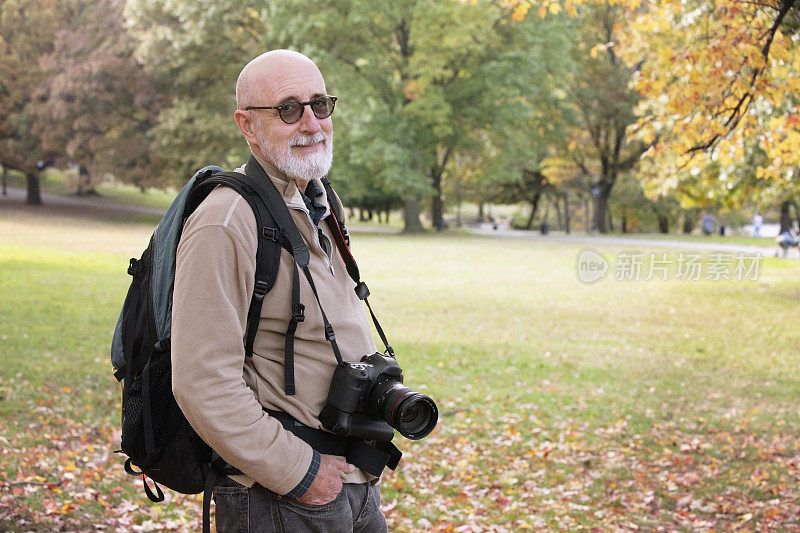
614	405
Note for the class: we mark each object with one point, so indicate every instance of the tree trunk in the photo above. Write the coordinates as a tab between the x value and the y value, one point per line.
557	206
601	210
610	220
797	214
85	186
586	220
544	228
566	213
437	206
786	218
5	181
481	218
624	221
534	205
411	222
663	224
362	214
34	192
689	222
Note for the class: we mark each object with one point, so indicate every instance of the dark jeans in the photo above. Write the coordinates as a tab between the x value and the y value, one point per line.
258	510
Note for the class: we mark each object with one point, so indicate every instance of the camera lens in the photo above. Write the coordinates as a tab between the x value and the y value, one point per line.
411	413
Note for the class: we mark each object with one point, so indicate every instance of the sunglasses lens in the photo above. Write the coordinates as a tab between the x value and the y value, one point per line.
291	112
322	107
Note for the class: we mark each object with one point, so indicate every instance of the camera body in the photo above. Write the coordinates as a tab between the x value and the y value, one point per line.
368	399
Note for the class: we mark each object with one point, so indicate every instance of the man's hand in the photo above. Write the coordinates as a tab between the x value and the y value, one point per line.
328	483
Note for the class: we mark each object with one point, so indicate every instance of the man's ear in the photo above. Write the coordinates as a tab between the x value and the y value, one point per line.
246	126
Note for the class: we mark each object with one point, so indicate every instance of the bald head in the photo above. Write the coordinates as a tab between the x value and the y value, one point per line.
302	149
268	72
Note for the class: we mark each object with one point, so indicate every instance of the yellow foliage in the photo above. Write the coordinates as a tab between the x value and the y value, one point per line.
699	58
521	10
413	90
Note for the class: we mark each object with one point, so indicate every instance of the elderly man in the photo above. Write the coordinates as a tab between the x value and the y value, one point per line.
232	401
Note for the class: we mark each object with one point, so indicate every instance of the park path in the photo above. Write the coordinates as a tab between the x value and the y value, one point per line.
631	242
16	196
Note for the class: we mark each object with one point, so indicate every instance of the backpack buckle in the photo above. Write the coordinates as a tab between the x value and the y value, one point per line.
273	234
260	290
298	313
134	267
329	333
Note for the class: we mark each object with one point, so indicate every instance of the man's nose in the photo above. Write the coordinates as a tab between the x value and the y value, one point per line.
309	123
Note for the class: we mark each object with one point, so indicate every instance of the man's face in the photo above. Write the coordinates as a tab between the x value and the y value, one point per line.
303	150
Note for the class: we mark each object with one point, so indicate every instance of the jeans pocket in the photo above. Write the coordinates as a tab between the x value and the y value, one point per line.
333	516
232	506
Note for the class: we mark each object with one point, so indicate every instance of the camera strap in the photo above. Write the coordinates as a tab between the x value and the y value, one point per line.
342	240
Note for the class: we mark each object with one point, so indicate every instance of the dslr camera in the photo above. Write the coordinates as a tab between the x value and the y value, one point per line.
368	399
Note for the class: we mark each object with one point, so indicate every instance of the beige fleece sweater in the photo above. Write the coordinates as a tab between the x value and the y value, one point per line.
223	393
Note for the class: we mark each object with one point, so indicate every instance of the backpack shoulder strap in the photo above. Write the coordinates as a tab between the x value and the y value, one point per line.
269	241
263	185
276	229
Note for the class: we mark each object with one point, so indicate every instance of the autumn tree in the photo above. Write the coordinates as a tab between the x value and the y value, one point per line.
97	103
718	78
723	104
27	32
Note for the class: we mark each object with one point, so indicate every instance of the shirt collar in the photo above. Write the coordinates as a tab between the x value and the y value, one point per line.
314	198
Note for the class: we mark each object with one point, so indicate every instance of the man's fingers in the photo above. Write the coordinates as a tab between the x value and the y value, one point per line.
347	468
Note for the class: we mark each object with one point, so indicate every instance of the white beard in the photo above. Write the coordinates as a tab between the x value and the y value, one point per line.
312	166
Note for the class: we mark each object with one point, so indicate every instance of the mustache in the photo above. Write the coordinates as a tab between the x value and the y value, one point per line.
305	140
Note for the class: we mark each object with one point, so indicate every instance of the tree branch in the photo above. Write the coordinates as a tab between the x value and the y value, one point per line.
746	99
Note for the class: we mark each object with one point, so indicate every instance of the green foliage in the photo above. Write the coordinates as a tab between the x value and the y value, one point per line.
415	91
195	51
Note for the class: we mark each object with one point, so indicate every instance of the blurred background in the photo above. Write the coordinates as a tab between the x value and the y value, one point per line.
567	116
578	220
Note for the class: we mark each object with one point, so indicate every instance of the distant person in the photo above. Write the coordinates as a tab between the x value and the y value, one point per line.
787	239
708	224
758	221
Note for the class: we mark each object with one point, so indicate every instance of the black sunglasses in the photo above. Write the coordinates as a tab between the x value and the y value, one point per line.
291	112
